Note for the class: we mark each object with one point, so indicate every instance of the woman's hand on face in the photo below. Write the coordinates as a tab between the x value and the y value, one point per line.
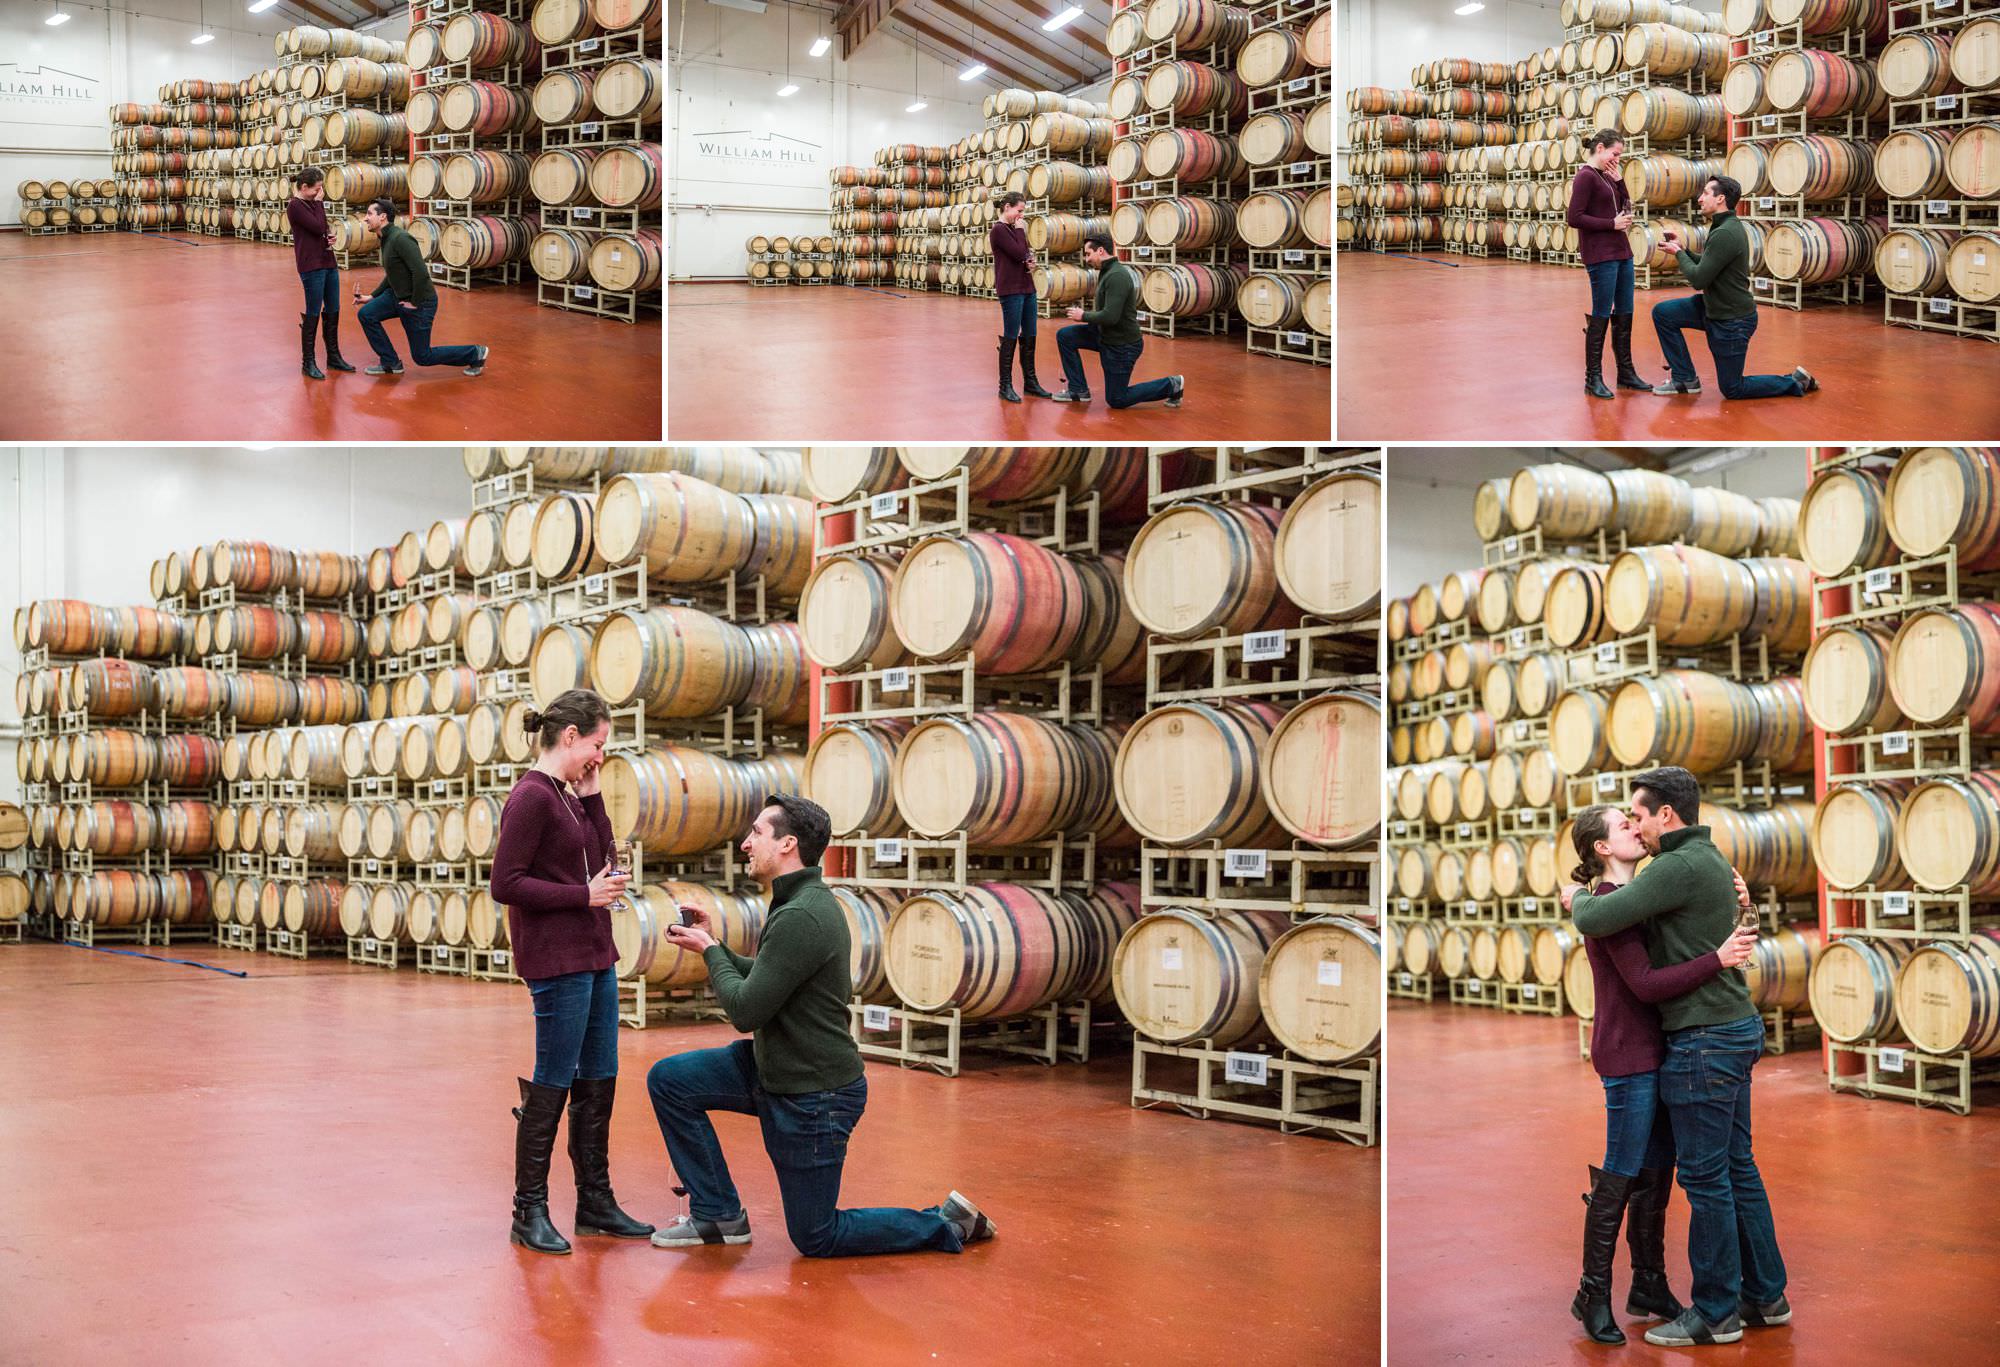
586	782
1738	948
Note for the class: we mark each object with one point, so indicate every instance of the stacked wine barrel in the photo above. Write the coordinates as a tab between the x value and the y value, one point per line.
155	146
778	259
1522	699
1905	820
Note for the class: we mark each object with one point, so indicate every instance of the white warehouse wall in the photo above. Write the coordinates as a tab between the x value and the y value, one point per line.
57	84
1431	488
747	162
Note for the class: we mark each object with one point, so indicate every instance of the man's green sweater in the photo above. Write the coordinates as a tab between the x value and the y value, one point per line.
1117	311
1687	899
403	268
1721	271
794	992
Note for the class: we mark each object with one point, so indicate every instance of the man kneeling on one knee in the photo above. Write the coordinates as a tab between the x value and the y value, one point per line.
1112	331
1724	310
801	1075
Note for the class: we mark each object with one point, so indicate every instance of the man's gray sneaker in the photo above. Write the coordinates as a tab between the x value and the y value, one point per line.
1673	386
1691	1329
688	1232
1757	1316
971	1224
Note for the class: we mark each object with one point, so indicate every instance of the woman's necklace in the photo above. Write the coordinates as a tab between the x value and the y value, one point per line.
562	793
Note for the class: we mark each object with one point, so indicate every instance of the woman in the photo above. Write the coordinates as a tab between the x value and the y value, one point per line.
1014	283
312	252
1626	1048
1600	210
552	871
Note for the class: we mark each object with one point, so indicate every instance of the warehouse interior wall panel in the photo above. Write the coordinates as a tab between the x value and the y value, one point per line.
56	84
747	162
1379	42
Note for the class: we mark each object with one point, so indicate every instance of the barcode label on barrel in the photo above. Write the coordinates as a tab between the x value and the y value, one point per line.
441	954
1878	581
1529	906
1465	830
1263	645
1511	544
1170	960
1302	83
1294	254
594	584
1475	987
1143	251
1891	1060
373	866
1245	863
1405	979
371	945
1947	102
1607	654
1895	904
1471	910
1940	305
439	787
1939	206
590	45
1399	828
1295	339
1896	743
884	505
584	214
1529	992
590	130
1762	283
888	851
1252	1068
1762	39
1329	973
1299	168
1402	904
896	680
500	958
1607	783
441	871
875	1018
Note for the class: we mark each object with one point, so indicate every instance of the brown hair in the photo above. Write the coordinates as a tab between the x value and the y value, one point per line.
579	707
1592	825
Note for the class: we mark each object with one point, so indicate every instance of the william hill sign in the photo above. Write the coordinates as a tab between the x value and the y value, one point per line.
44	83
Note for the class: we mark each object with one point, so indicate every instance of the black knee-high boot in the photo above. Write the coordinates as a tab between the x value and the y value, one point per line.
1030	385
1007	370
1621	349
537	1117
308	341
1646	1241
1593	356
329	329
1608	1194
597	1209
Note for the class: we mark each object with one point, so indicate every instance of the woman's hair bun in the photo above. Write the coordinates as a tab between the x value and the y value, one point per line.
531	721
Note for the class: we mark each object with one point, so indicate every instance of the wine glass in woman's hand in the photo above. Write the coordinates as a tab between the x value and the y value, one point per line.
1737	949
608	886
1622	221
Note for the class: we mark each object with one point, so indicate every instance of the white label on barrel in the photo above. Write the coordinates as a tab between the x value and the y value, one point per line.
1607	654
1947	102
1296	339
370	945
1878	581
888	851
1143	251
1979	258
615	256
896	680
441	954
1511	544
1529	905
1940	306
1405	979
1891	1060
1170	960
441	871
1300	168
1763	284
585	214
1263	645
1939	206
1402	904
1895	904
499	958
1520	730
438	787
1607	783
1399	827
1302	83
1475	987
1329	973
590	129
885	505
373	866
588	45
1253	1068
1294	254
1471	909
1465	831
594	584
1896	743
1529	992
875	1017
1245	863
1762	39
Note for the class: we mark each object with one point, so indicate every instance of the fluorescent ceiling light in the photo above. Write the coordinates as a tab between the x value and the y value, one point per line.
259	6
56	19
1472	8
201	38
911	109
818	49
1071	13
752	6
788	90
972	72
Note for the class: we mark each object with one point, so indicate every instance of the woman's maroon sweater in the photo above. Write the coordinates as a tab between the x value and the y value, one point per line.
1625	1037
1594	200
551	845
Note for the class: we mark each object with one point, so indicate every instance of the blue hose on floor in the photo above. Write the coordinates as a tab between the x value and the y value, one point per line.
1430	260
163	959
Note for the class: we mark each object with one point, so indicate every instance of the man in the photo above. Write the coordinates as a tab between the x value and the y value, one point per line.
1014	282
1686	897
1112	330
319	273
406	293
1724	309
801	1076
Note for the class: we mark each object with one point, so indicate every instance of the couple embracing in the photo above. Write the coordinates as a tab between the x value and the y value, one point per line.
1675	1039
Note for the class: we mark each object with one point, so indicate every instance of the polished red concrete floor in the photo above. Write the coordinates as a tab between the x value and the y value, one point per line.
1885	1214
180	337
840	363
313	1165
1443	347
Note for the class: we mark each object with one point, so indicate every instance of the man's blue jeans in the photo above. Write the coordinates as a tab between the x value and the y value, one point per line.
1018	315
1119	391
1728	343
576	1026
416	327
806	1137
1732	1243
1637	1131
322	289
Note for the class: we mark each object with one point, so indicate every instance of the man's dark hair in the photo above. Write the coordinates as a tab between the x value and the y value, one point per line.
1101	242
307	175
1013	197
804	820
1730	190
1670	787
1605	137
386	208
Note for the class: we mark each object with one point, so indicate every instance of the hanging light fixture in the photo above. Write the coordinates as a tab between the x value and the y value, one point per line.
204	36
916	75
977	69
789	87
822	42
58	19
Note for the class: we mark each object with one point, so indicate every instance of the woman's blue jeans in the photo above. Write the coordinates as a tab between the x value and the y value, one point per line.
576	1027
322	291
1639	1133
1610	287
1017	315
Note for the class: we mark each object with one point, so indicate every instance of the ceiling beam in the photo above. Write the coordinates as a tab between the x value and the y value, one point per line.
858	20
1076	30
951	42
1037	53
316	12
